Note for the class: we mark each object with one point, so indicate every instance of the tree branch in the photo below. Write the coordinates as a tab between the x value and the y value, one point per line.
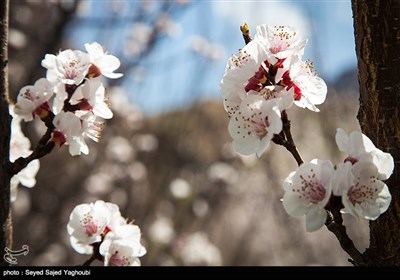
335	225
285	139
5	134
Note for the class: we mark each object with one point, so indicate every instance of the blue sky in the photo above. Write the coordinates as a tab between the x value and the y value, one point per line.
174	76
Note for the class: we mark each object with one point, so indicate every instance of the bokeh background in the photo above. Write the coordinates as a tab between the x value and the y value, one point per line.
166	157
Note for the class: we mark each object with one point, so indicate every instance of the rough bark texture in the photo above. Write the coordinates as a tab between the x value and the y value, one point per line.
377	34
5	130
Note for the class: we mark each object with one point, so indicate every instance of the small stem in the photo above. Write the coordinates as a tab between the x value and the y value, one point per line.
290	146
346	243
285	139
39	152
96	254
90	260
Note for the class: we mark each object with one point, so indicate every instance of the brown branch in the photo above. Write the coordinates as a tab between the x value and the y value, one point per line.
39	152
334	225
96	254
285	139
290	146
5	135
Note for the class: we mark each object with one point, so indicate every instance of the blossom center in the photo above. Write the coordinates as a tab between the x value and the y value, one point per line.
28	95
350	159
261	127
118	260
312	190
90	225
359	193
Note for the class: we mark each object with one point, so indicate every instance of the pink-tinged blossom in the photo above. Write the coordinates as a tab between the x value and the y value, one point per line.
359	147
363	195
308	190
101	62
280	42
87	223
122	246
68	67
69	131
91	97
20	146
309	88
254	125
239	70
253	70
33	100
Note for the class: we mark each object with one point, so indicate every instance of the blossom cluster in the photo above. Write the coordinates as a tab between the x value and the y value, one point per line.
72	99
99	229
264	79
312	188
20	146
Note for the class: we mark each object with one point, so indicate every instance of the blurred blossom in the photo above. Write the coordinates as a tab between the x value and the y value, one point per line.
199	45
23	14
137	171
222	171
167	26
120	149
146	142
98	183
119	196
132	115
162	231
200	207
180	188
198	250
139	39
17	39
215	52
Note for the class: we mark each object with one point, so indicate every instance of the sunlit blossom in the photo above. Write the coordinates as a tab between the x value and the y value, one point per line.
308	190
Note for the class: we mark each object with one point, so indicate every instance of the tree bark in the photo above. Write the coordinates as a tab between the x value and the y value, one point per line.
377	37
5	132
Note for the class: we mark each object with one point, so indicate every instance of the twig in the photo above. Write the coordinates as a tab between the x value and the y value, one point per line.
334	225
285	139
39	152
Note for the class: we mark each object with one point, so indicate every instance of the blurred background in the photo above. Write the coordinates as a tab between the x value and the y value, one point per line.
166	157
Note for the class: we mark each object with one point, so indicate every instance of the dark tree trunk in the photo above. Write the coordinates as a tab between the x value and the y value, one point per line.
377	35
5	131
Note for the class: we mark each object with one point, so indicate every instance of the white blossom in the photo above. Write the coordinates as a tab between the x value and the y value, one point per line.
68	67
122	246
360	148
91	97
363	195
102	63
254	125
308	190
20	146
32	100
